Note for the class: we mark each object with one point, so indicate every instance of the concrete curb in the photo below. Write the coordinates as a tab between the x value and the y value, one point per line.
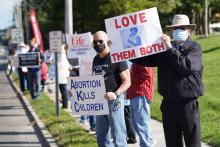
43	134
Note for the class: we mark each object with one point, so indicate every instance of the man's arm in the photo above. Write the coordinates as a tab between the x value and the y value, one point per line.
126	82
187	64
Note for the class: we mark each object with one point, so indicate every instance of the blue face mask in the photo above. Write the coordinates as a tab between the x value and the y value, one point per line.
180	35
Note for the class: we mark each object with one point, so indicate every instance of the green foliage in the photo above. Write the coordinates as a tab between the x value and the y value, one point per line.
118	7
87	16
51	17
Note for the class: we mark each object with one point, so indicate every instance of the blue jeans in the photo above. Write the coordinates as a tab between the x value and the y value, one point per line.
34	83
113	122
84	118
92	120
140	114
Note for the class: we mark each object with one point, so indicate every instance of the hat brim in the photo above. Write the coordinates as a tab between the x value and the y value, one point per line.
191	26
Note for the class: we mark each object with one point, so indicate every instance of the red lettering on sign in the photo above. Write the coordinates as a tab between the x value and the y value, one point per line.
142	51
125	21
142	17
131	19
134	19
78	41
150	49
116	24
124	55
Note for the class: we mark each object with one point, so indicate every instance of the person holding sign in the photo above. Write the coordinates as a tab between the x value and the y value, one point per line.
63	72
22	71
34	77
180	84
117	81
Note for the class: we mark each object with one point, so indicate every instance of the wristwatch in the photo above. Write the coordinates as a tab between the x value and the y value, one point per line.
116	93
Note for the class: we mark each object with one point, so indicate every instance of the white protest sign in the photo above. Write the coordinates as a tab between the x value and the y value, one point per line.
79	46
55	42
17	36
135	35
88	95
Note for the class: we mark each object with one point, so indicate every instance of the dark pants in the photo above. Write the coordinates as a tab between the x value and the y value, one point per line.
92	122
43	83
34	83
128	123
63	91
181	121
23	79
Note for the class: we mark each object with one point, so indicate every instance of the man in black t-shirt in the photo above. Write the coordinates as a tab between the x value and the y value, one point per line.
117	81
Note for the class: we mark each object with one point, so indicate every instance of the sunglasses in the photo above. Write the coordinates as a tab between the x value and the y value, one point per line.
98	41
181	28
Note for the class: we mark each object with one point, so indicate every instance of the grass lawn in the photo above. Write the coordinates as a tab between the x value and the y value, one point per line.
210	102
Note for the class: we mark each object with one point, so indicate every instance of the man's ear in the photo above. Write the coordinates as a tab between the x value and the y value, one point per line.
109	42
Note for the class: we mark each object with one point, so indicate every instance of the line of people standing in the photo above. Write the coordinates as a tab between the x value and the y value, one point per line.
179	82
32	78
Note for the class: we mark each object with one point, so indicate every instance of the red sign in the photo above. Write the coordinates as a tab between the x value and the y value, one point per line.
36	29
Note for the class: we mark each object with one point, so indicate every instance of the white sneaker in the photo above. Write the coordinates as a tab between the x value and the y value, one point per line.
83	122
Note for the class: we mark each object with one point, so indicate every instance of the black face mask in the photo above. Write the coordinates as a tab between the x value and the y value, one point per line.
99	47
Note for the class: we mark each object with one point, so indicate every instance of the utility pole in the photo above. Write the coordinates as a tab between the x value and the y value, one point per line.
27	36
68	30
206	18
68	17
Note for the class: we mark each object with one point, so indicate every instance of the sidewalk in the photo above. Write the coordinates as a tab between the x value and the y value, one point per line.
156	126
16	128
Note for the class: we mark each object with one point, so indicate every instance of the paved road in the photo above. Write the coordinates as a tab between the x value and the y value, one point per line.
15	127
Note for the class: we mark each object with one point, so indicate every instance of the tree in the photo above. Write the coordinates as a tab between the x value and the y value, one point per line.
50	17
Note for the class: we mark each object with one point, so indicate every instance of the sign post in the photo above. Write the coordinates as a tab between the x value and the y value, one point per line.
55	43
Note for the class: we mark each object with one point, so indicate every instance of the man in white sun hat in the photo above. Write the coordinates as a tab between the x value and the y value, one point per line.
179	83
22	71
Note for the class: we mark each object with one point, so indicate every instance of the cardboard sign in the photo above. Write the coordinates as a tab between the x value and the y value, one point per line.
55	43
79	46
31	59
135	35
88	95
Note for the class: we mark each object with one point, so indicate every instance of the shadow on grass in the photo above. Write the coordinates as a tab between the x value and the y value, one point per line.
211	50
214	106
70	134
203	37
209	139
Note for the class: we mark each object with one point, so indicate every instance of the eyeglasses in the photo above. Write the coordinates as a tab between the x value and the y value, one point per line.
180	27
98	41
